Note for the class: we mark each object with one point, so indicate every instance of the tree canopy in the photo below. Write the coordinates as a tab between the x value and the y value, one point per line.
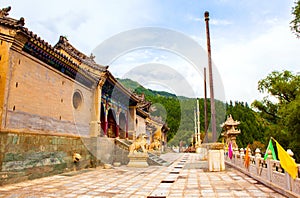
276	115
295	23
281	108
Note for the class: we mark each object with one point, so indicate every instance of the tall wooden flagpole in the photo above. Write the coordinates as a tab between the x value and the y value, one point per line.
198	124
205	108
211	85
195	120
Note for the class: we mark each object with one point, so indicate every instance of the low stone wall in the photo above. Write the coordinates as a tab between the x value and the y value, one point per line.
268	172
26	156
108	151
121	155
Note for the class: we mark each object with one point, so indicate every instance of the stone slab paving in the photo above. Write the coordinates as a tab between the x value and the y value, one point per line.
154	181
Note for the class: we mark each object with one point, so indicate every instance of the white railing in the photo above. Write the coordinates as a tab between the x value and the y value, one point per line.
268	172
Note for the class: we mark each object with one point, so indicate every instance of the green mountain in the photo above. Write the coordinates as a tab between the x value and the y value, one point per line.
139	89
178	113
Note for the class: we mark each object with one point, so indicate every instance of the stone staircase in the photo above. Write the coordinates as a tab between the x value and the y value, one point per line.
123	143
153	159
156	160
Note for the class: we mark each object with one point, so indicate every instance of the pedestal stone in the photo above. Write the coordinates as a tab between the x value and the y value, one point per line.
138	160
202	153
216	160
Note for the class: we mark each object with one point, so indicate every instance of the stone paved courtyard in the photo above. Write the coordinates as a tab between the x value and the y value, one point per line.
155	181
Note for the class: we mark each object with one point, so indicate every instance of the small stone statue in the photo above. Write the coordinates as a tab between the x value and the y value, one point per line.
139	143
21	21
155	145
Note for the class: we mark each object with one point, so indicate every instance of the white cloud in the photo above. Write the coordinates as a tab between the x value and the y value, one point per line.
160	69
220	22
242	64
86	23
245	48
217	22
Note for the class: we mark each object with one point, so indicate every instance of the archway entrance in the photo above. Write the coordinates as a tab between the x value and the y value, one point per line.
111	119
102	119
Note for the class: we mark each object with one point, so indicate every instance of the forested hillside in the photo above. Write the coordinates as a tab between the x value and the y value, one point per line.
178	112
272	119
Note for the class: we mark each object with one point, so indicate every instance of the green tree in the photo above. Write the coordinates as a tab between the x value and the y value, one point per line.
280	108
295	23
251	126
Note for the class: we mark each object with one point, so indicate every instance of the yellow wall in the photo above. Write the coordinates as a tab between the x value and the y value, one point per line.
4	62
141	126
131	122
40	98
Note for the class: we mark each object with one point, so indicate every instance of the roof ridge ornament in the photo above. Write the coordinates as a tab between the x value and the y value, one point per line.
5	11
92	57
21	22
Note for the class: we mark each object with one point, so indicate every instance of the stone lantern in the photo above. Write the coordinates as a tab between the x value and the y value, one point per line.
230	131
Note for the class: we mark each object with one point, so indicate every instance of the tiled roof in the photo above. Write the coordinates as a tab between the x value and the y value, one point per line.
88	60
4	12
52	55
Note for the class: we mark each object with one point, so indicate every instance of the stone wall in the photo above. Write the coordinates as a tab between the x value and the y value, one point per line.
26	156
141	125
109	152
4	62
132	123
43	98
121	155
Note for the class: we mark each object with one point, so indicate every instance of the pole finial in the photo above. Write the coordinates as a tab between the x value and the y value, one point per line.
206	15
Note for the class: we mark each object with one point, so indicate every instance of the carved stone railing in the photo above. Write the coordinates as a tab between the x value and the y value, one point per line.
268	172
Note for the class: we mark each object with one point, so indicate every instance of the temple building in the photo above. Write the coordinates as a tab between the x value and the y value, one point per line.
54	101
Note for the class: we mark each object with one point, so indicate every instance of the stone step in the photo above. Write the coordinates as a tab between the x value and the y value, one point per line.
123	142
157	160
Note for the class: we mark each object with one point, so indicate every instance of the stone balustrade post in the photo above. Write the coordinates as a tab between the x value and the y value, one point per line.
250	155
257	160
241	156
257	153
235	152
288	178
249	150
241	151
269	168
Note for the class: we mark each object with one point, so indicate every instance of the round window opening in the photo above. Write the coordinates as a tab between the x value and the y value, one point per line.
77	100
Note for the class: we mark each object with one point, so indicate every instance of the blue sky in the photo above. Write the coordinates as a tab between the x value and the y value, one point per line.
249	38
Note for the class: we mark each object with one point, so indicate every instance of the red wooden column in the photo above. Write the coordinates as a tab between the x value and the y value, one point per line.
127	118
106	126
105	121
117	130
